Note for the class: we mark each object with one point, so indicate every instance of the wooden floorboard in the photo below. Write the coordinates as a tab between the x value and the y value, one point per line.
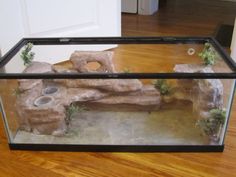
179	17
183	18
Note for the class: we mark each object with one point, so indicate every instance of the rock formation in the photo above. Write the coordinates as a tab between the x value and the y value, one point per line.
146	99
61	69
84	94
111	85
43	104
34	67
23	100
205	94
81	59
47	117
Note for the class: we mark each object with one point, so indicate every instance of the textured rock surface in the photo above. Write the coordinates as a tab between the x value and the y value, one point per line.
148	98
34	67
38	67
210	96
192	68
104	58
29	84
44	119
83	94
60	69
43	103
112	85
47	120
22	101
205	94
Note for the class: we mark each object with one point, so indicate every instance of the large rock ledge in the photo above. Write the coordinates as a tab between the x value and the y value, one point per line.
34	67
111	85
147	99
205	94
42	105
46	113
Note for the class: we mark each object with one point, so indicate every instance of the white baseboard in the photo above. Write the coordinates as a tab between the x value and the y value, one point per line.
148	7
129	6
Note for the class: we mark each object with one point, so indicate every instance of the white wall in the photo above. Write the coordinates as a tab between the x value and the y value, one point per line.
49	18
11	29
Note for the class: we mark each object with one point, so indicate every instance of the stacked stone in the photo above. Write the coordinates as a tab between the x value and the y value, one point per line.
42	104
205	94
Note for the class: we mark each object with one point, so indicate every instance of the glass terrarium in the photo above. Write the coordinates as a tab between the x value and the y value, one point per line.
117	94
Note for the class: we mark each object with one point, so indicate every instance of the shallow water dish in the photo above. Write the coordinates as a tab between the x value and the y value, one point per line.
140	94
43	101
50	90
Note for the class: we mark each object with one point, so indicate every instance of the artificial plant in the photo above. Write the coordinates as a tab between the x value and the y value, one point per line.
72	110
26	54
211	125
208	54
163	86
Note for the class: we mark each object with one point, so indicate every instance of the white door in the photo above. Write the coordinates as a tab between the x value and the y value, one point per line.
233	44
57	18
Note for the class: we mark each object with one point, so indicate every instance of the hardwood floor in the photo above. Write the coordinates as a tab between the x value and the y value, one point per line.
179	17
183	18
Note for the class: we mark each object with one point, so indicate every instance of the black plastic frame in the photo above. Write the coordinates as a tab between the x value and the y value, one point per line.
119	40
117	148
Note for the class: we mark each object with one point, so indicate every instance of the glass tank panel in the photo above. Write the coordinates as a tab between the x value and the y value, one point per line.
117	93
135	58
117	111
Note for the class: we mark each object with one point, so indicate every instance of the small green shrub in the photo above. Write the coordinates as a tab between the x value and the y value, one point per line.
208	55
127	70
26	54
72	110
162	86
212	124
16	92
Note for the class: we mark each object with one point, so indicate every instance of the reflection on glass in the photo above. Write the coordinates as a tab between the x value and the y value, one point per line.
118	111
128	58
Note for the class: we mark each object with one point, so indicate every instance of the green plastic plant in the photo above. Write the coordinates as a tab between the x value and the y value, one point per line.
26	54
212	124
16	92
72	110
127	70
162	86
208	55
